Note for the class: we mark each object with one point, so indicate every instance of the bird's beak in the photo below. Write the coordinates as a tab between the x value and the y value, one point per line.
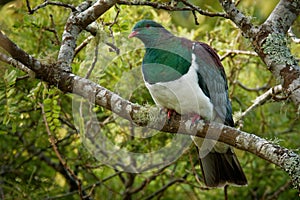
132	34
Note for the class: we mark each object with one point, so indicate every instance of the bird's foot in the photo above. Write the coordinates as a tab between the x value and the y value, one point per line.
169	112
195	118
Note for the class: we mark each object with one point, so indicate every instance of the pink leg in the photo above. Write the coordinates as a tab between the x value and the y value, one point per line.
195	118
170	113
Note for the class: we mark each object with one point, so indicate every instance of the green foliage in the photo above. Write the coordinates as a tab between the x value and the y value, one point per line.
7	92
31	170
52	110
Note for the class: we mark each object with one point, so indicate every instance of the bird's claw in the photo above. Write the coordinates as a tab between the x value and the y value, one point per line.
195	118
169	112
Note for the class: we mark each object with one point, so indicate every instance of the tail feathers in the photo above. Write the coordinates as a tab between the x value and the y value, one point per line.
220	169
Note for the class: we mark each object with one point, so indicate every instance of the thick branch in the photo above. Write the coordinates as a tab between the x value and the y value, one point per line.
238	18
283	16
269	41
18	54
77	22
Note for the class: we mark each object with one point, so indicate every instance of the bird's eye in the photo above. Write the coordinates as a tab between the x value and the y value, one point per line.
147	25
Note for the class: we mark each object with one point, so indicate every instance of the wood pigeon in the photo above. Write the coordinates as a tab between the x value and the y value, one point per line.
188	77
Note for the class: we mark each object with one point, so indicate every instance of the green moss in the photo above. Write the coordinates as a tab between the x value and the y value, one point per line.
292	167
276	48
144	116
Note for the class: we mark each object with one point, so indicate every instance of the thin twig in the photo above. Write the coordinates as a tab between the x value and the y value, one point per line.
28	6
16	64
61	160
278	191
19	78
203	12
163	6
194	170
61	196
93	63
292	127
237	52
237	2
195	17
178	180
113	48
262	99
149	179
293	36
54	30
46	3
257	89
112	45
82	45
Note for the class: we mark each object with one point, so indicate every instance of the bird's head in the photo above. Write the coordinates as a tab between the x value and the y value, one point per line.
148	31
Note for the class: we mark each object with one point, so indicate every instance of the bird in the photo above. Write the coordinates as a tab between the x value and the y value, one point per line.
187	77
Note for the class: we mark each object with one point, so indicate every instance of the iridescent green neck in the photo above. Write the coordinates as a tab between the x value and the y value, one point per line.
160	65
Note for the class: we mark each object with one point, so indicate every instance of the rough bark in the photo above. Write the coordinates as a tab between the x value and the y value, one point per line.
270	43
84	15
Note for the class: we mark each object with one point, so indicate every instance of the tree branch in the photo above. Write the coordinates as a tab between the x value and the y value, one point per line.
31	11
262	99
18	54
270	43
237	52
70	173
166	186
203	12
148	180
293	36
16	64
163	6
264	87
278	191
77	22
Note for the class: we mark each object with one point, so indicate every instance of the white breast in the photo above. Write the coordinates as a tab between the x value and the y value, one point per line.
183	95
